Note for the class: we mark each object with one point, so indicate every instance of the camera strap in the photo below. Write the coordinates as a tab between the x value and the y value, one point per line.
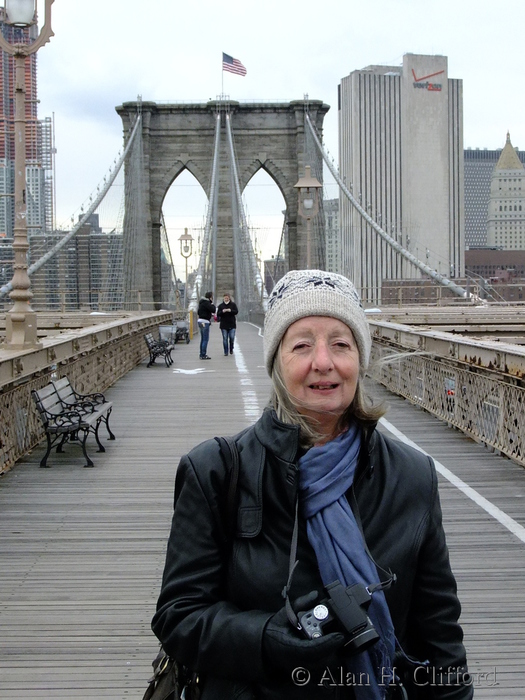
293	561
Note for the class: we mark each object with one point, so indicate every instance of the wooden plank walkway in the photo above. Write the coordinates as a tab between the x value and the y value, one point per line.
82	550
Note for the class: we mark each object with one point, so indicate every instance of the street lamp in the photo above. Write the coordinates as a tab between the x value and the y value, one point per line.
21	327
186	249
308	191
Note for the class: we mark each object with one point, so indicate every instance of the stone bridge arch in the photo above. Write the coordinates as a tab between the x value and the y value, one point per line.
178	136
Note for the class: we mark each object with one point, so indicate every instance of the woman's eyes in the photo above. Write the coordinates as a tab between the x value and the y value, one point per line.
339	345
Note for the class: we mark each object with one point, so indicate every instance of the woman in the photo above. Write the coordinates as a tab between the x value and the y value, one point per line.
226	313
315	475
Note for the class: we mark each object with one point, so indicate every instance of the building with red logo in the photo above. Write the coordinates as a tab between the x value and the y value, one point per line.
401	153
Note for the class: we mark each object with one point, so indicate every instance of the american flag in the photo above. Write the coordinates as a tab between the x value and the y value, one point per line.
232	65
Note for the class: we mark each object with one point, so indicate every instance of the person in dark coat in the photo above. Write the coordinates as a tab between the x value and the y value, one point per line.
226	315
205	311
335	582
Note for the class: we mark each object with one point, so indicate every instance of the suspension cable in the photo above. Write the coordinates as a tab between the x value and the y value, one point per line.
51	253
261	289
455	288
210	216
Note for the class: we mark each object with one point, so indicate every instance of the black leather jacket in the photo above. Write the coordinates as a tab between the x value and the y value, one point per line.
218	592
206	309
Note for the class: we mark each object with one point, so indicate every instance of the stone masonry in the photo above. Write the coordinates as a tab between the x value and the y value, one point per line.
178	136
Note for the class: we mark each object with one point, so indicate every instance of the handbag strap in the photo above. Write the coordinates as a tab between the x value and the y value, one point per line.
230	455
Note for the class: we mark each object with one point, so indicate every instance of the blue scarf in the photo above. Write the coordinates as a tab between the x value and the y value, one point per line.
325	475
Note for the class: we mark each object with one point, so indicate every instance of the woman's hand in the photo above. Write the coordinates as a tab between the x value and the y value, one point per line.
283	647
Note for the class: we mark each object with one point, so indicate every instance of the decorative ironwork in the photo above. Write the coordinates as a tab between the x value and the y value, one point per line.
475	400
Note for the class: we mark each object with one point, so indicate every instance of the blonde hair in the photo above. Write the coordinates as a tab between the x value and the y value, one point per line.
362	409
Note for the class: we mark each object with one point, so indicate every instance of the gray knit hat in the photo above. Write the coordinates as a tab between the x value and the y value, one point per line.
303	293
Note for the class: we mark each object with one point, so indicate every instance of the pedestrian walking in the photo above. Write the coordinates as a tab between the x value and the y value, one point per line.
204	314
226	313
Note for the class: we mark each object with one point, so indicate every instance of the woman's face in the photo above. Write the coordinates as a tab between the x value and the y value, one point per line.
320	368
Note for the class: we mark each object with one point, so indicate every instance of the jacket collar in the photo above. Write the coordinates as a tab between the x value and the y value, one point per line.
280	438
283	439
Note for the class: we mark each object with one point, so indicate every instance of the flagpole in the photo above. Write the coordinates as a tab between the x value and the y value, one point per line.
222	77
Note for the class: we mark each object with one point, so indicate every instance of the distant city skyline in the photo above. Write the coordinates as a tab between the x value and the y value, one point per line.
104	54
139	57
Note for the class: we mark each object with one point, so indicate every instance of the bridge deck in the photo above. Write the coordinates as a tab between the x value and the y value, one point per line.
82	549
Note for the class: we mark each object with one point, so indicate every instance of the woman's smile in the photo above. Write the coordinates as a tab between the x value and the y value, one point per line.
323	387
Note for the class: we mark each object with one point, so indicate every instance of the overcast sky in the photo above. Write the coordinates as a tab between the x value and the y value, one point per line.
106	52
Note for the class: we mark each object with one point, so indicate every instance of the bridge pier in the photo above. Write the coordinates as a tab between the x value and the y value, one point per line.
176	137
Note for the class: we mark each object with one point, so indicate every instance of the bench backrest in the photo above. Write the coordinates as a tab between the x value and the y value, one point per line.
150	340
65	391
47	401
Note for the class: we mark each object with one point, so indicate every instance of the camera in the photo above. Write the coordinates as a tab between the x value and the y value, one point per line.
346	608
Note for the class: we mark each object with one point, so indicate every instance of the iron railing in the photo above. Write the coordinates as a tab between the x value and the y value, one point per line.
477	387
94	360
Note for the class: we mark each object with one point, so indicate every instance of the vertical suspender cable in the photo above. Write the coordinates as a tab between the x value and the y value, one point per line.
256	274
211	215
215	217
238	262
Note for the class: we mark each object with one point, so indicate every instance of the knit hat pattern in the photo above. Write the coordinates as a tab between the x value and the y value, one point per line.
302	293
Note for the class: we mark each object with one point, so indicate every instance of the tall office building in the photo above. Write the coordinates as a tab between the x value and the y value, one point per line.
401	153
332	234
479	166
35	172
506	210
47	162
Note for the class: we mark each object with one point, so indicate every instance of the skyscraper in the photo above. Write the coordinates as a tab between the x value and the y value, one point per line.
401	153
479	166
35	172
332	235
506	211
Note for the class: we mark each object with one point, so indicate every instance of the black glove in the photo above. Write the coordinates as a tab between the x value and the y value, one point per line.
285	649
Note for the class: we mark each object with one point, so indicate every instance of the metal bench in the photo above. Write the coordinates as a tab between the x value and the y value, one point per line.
158	348
63	424
84	403
182	331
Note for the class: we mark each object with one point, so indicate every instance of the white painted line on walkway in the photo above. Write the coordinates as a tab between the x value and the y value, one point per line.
249	397
261	334
471	493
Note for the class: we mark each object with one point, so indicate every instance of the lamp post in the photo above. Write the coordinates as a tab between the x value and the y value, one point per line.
308	191
186	249
21	326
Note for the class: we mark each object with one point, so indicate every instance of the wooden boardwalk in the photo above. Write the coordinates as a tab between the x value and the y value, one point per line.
82	550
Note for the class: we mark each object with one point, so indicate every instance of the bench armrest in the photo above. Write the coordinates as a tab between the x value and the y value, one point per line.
65	419
94	399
